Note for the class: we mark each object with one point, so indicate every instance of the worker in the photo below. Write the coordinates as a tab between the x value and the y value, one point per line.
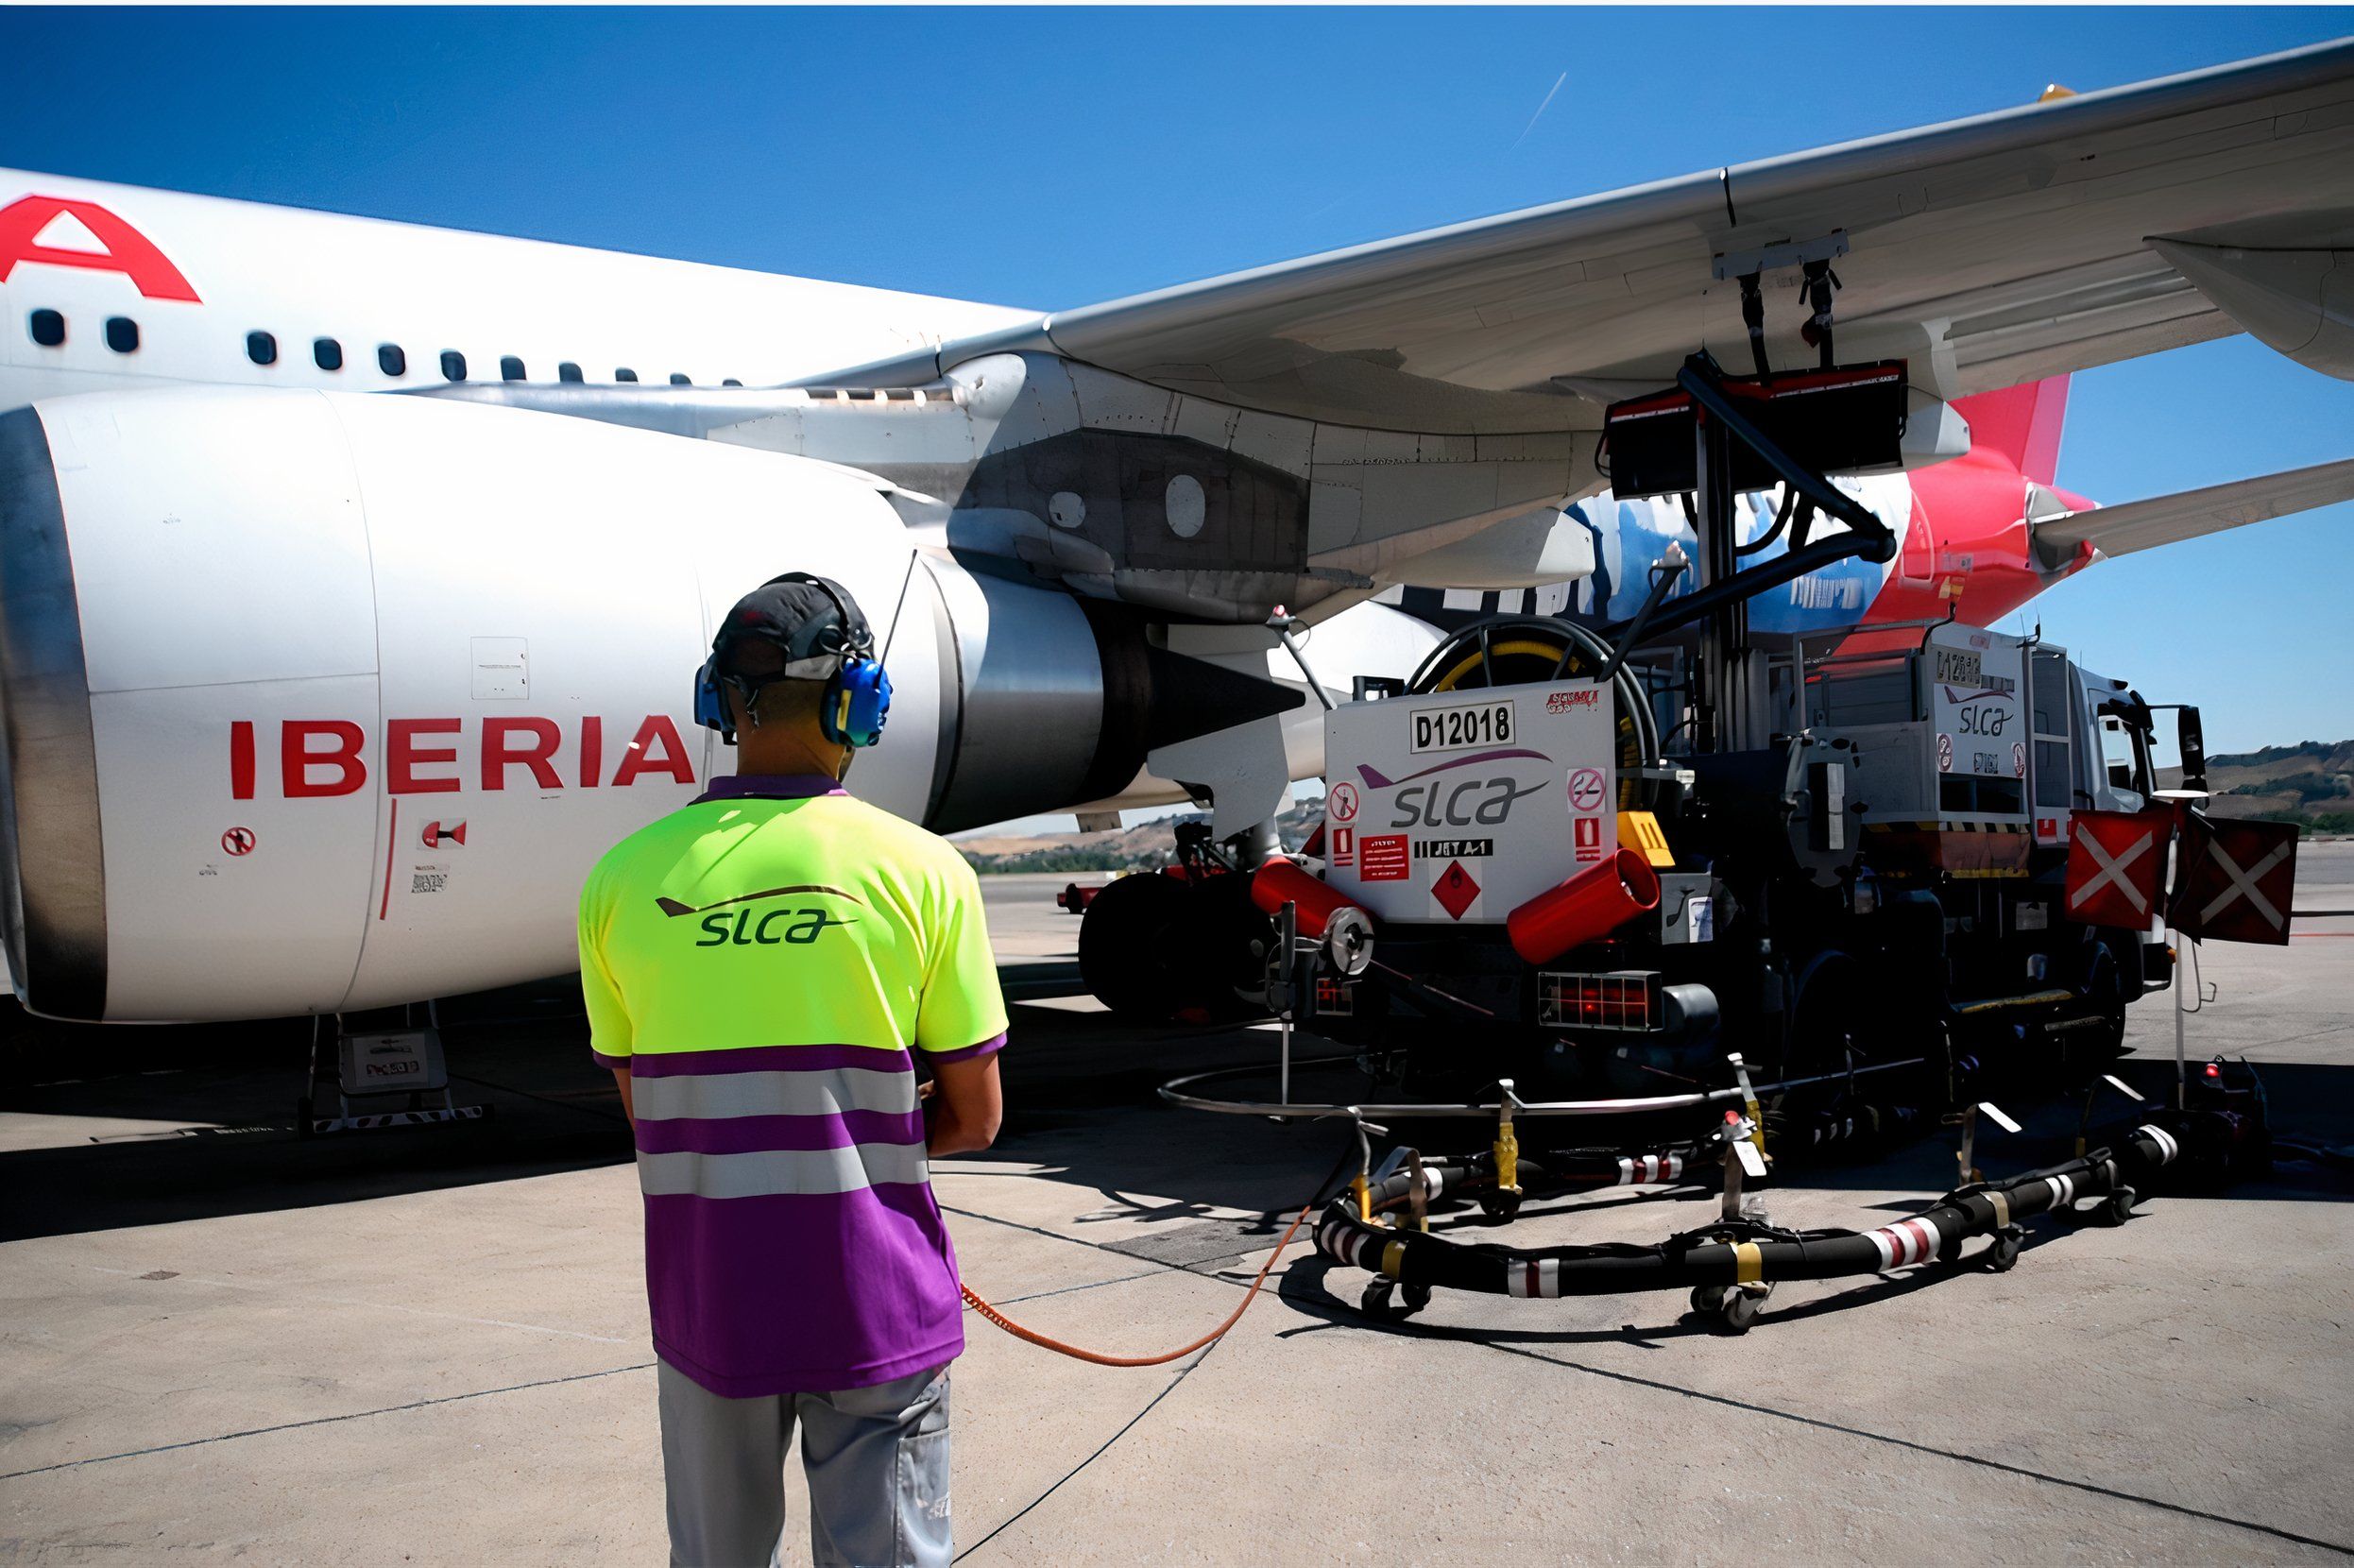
764	969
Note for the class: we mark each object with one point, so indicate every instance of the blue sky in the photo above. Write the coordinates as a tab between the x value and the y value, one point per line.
1050	158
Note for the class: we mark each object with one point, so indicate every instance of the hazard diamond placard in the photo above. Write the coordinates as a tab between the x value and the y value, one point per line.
2235	880
2116	864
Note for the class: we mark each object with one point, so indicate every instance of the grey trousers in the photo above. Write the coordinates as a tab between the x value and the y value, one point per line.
877	1461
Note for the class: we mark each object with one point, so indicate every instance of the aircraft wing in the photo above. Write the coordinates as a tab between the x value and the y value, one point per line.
2165	519
1987	252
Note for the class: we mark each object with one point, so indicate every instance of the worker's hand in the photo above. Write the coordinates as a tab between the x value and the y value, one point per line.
924	1090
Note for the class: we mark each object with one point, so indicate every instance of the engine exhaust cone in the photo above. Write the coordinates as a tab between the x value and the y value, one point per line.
1590	905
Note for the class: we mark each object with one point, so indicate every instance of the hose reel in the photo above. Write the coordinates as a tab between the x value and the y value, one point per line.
1524	650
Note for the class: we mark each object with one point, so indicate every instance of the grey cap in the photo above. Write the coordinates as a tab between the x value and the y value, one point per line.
813	621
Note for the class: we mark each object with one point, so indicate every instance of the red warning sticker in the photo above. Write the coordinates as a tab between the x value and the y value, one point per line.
1342	842
1386	858
1454	889
1589	838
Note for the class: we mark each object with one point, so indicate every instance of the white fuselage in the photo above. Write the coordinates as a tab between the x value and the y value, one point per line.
360	286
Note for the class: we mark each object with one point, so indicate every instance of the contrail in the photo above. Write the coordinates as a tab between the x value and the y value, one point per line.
1540	113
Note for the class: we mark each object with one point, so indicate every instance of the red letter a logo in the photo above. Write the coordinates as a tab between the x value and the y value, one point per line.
127	251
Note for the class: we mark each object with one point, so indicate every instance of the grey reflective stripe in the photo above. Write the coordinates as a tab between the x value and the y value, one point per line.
782	1170
773	1094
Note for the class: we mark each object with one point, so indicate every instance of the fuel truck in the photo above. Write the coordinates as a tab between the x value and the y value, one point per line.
1556	896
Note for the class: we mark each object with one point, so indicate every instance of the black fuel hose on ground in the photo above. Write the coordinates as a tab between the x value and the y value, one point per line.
1728	1253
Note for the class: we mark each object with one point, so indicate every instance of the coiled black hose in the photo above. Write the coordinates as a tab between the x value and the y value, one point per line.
1727	1253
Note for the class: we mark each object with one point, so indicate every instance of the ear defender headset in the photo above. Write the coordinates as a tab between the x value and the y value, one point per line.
857	701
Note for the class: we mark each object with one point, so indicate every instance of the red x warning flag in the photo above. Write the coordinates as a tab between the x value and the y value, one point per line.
2116	863
2235	880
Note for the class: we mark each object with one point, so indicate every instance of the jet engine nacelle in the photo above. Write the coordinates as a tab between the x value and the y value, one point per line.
316	701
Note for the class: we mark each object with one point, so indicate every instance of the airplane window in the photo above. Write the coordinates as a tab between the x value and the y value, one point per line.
452	365
731	382
677	379
624	373
568	371
47	327
262	347
327	353
122	334
511	369
391	360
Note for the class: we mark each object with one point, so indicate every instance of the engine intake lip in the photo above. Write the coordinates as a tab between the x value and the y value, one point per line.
52	859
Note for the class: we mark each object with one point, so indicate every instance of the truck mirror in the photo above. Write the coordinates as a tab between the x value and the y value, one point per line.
2192	740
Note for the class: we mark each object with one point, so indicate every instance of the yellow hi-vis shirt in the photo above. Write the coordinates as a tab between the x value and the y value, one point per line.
765	962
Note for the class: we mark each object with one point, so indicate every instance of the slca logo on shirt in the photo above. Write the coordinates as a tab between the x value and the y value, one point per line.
744	928
808	926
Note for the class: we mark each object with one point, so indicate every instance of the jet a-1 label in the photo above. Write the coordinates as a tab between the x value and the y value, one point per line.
1454	849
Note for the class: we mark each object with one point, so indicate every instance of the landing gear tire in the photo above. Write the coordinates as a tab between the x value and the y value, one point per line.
2003	1256
2116	1208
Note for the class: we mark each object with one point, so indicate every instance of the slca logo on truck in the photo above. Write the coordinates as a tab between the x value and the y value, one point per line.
328	757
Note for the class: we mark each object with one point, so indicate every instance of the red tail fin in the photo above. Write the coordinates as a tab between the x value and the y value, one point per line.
2021	424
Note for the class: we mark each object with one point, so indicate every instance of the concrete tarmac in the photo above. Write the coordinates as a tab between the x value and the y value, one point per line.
222	1343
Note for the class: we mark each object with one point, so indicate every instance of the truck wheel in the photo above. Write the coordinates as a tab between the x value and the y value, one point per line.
1829	1015
1132	946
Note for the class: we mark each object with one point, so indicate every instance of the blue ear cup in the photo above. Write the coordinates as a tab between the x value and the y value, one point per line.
708	710
858	702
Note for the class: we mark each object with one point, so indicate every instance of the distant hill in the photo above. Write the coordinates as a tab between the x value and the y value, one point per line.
1145	847
2311	784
